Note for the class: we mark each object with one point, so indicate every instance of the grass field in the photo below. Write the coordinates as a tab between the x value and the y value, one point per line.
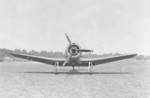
123	79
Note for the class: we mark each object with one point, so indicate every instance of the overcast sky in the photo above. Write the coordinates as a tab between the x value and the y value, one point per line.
106	26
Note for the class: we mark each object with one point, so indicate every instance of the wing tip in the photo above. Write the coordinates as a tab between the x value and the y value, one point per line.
132	55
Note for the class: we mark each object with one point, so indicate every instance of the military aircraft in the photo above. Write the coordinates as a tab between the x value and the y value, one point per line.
73	58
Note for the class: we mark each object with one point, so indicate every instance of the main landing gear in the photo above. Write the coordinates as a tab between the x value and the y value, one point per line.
90	67
73	67
56	67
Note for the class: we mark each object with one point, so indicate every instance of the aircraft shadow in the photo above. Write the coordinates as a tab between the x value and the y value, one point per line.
75	72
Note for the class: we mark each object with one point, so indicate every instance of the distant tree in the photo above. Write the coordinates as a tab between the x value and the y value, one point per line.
140	57
33	52
24	51
44	53
148	57
117	54
17	51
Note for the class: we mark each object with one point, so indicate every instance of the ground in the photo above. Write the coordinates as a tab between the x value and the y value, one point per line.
123	79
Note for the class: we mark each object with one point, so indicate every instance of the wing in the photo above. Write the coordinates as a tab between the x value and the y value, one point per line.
45	60
97	61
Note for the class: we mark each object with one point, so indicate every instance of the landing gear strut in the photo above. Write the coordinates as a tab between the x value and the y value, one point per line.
90	66
56	67
73	67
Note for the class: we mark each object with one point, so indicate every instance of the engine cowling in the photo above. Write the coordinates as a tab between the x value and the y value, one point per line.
73	50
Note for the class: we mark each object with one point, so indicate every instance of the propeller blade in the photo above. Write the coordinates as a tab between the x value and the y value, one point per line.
85	50
68	38
66	61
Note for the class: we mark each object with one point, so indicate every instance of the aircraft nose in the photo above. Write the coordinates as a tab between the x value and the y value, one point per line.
74	50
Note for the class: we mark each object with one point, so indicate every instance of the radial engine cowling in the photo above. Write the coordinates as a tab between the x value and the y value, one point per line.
73	50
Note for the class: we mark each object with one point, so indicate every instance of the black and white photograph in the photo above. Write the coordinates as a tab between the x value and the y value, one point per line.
74	49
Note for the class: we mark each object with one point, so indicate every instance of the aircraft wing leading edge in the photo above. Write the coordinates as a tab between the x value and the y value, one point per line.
45	60
83	61
106	59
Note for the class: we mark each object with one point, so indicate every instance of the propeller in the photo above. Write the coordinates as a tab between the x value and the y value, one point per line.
66	60
85	50
68	38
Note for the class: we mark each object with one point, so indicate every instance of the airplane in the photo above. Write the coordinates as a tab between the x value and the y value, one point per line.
73	58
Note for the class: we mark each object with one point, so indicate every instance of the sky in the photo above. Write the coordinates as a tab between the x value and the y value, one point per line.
105	26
